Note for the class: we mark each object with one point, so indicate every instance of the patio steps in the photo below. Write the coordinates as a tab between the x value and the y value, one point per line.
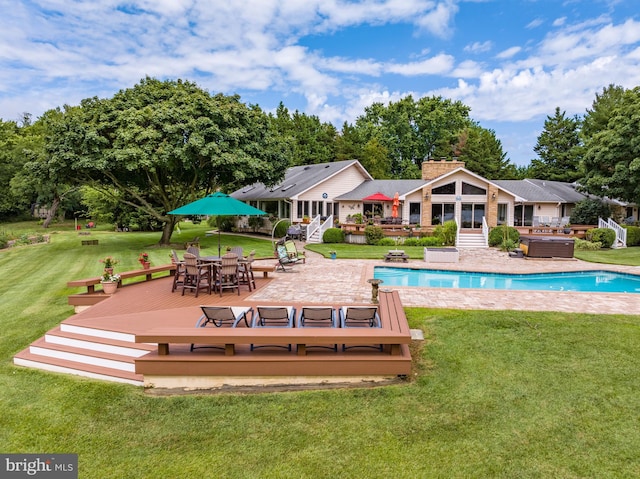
471	240
91	353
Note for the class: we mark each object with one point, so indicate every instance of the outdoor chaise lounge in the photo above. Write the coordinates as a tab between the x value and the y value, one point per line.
318	317
220	316
273	317
360	317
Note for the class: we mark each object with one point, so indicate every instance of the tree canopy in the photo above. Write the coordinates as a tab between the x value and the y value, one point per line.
560	149
612	156
162	144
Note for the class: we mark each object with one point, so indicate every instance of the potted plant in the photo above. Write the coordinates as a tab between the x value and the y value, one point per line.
143	259
109	282
109	262
333	254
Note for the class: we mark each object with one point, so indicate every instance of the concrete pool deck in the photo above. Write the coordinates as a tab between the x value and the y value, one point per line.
345	281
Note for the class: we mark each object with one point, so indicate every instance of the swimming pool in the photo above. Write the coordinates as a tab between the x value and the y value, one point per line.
579	281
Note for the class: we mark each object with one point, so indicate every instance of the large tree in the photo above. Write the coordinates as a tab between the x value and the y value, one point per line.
412	131
482	153
560	149
162	144
612	156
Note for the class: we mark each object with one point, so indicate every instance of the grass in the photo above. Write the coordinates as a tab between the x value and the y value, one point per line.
625	256
496	394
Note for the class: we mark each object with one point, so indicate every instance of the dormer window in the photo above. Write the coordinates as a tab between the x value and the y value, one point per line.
468	189
448	189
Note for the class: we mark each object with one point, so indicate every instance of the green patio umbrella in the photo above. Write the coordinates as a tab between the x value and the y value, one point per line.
217	204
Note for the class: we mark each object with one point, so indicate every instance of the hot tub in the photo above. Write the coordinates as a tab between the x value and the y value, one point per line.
546	246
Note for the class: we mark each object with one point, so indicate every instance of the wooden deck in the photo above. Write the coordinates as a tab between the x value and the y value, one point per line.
100	342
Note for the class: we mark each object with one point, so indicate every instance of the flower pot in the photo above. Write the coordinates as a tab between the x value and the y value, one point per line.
146	265
333	255
109	287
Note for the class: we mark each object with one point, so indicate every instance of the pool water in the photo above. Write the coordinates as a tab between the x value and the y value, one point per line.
579	281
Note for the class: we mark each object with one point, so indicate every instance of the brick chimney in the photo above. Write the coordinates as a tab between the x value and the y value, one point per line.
433	168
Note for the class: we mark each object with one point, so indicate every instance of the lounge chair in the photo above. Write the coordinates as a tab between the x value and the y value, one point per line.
220	316
273	317
284	259
318	317
360	317
293	252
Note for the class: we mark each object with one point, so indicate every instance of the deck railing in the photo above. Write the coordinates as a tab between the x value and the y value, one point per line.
485	231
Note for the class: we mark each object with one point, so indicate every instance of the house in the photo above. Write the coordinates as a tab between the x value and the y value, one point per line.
446	191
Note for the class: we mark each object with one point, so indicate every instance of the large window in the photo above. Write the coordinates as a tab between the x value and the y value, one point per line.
441	212
468	189
472	214
448	189
502	213
523	215
414	213
303	209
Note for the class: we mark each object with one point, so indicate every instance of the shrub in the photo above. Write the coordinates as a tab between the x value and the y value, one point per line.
255	223
447	232
430	241
499	234
412	242
386	242
373	234
605	236
633	235
333	235
507	245
587	212
281	229
585	245
3	241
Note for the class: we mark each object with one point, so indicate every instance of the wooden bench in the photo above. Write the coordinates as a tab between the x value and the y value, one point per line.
264	268
90	283
392	335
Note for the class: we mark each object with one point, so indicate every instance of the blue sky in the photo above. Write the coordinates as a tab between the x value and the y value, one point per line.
511	61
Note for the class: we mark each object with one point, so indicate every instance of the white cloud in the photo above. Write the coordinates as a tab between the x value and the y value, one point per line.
477	47
558	22
535	23
509	52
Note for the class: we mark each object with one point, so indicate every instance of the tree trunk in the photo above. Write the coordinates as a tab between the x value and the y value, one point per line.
52	212
167	231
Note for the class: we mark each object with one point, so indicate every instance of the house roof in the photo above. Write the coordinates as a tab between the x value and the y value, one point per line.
297	180
542	191
387	187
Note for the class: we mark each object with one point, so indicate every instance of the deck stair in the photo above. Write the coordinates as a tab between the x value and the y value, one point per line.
86	352
471	240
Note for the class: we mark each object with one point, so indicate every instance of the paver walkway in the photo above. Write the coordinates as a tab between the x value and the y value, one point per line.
345	281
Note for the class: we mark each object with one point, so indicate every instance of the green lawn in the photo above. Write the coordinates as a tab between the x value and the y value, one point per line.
495	394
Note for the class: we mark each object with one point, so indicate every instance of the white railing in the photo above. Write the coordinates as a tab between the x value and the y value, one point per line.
312	227
328	223
485	231
621	233
457	232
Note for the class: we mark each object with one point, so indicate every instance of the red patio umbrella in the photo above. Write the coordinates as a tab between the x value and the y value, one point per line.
396	203
377	197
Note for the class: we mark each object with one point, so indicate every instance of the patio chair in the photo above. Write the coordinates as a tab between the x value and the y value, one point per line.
178	277
228	274
273	317
318	317
220	316
237	250
284	259
197	276
246	271
194	250
360	317
293	252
